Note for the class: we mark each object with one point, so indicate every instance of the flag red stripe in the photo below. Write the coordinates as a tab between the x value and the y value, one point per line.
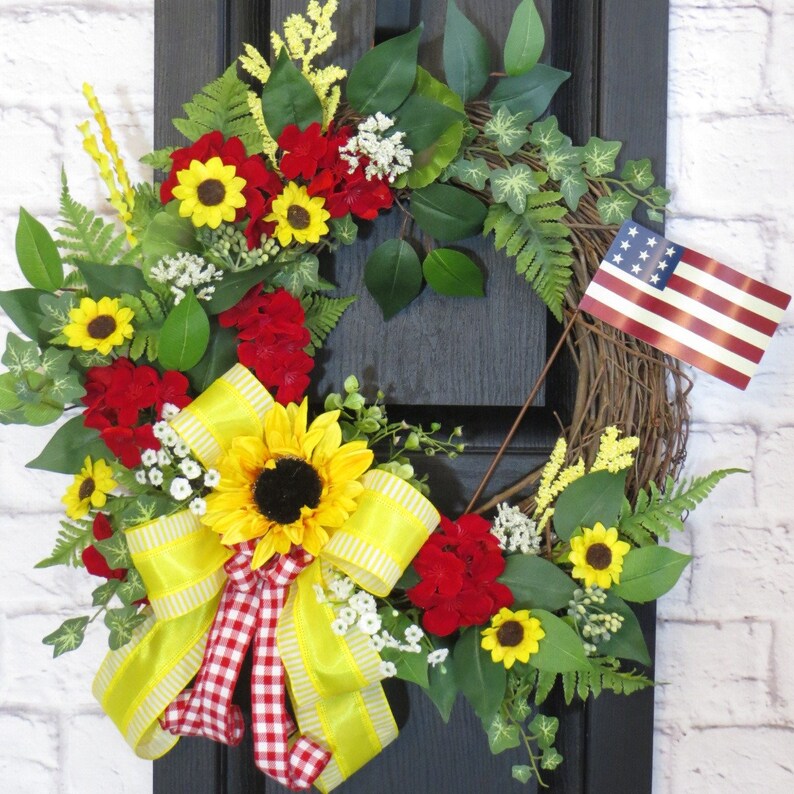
663	342
703	296
736	279
681	317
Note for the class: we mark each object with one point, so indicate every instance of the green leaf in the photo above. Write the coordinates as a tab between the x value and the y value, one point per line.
573	185
546	134
110	281
562	159
599	156
521	772
160	159
544	729
168	235
467	60
452	273
411	667
185	335
115	551
55	309
472	172
37	254
233	287
321	314
628	642
528	93
102	594
219	357
502	735
69	447
443	688
537	583
393	276
9	397
22	306
525	39
638	173
41	413
64	388
594	497
21	355
561	649
122	622
446	212
649	573
659	196
616	207
513	184
654	215
509	132
383	77
288	98
344	229
299	275
67	637
424	120
551	759
481	680
132	589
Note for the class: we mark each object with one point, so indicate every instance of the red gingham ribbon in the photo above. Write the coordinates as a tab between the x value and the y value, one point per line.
249	608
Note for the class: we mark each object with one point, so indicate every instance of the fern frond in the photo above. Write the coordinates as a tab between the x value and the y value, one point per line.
72	539
322	314
539	242
223	105
149	317
657	512
604	674
147	205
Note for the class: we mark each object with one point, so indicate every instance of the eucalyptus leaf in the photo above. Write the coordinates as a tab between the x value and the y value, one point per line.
452	273
424	120
443	687
447	212
168	235
594	497
233	286
467	60
525	39
384	76
185	334
649	573
71	444
288	98
22	306
110	281
37	254
528	93
537	583
219	357
393	276
481	680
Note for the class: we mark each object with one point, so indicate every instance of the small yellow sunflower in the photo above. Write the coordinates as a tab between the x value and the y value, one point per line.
298	216
209	192
89	489
99	325
597	556
512	636
290	487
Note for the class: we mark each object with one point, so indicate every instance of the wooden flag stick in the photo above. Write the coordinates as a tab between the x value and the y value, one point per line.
533	392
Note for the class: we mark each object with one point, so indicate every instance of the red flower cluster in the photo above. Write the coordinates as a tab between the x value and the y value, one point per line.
116	396
315	157
458	567
272	341
94	561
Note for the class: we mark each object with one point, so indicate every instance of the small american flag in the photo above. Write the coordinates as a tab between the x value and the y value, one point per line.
684	303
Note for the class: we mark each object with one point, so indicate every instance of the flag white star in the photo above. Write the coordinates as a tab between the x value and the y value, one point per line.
625	245
662	265
654	278
635	269
617	258
633	231
652	242
669	251
643	255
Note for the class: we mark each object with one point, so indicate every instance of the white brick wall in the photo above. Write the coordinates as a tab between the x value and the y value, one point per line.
725	714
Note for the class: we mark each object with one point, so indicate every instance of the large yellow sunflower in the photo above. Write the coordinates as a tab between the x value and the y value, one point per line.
209	192
89	489
512	636
291	487
99	325
597	556
299	216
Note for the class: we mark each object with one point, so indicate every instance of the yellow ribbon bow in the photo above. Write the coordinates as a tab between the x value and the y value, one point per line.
333	681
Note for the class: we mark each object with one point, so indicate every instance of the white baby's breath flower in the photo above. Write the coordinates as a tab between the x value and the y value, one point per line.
341	588
369	623
339	627
348	615
376	643
180	488
363	602
155	477
437	656
413	634
387	669
159	430
148	457
190	468
319	593
211	478
198	506
163	458
180	449
140	477
169	411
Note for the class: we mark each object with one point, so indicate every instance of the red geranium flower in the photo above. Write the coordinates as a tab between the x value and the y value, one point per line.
172	389
302	150
94	561
126	443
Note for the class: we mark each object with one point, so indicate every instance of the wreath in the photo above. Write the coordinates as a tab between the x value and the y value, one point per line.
218	511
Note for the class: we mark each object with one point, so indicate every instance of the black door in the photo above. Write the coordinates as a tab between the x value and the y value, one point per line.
464	362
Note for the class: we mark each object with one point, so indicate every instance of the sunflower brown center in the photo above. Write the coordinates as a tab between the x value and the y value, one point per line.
211	192
599	556
298	216
282	491
510	633
101	327
87	487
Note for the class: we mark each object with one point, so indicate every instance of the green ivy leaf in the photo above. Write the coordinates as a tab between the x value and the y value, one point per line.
467	60
9	399
617	207
551	759
55	309
481	680
654	215
628	642
37	254
21	355
530	92
537	583
560	651
132	589
544	729
383	77
525	39
446	212
344	229
562	159
288	98
546	134
659	196
471	172
110	281
502	735
594	497
69	447
102	594
185	335
649	573
509	132
65	388
512	185
638	173
452	273
122	622
573	185
521	772
41	413
599	156
393	276
115	551
67	637
299	275
22	306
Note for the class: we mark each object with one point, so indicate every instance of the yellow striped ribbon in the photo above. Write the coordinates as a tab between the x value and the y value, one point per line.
333	681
